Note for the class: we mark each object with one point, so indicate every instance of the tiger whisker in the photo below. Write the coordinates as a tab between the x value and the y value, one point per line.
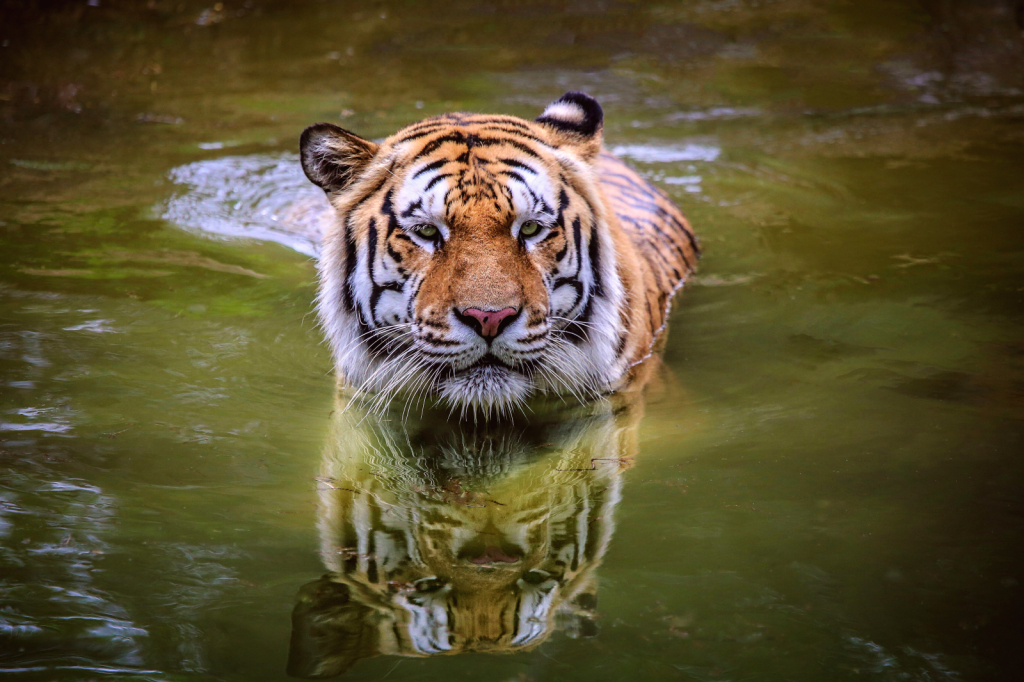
416	387
385	366
395	381
569	357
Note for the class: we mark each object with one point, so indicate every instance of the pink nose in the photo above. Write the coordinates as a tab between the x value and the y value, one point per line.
488	323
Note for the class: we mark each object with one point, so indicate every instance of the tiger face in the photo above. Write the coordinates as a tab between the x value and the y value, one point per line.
446	538
473	258
453	577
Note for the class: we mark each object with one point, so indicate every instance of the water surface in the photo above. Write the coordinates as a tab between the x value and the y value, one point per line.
821	482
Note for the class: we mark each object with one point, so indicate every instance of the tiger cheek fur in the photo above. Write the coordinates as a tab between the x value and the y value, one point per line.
478	260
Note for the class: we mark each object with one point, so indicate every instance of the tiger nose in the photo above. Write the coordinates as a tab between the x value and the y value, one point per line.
487	323
494	555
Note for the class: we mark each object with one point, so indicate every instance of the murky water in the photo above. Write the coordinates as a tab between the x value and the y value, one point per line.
822	482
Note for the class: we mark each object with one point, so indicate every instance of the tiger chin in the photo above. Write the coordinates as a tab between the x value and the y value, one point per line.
478	260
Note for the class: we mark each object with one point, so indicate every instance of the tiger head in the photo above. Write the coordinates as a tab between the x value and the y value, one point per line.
472	258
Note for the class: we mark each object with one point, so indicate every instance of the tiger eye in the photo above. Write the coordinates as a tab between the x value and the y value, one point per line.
529	228
427	231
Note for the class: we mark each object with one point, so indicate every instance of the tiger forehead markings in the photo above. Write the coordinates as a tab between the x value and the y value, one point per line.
479	259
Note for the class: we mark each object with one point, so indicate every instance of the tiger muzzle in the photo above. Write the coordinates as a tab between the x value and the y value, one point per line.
487	323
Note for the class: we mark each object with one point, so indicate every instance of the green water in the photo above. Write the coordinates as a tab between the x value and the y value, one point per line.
828	476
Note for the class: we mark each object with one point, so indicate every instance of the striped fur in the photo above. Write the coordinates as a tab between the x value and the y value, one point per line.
591	287
442	539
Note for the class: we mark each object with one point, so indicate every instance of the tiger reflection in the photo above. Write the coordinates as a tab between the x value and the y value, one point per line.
444	539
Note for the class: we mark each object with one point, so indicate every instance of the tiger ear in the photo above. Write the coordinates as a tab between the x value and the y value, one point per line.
332	157
576	120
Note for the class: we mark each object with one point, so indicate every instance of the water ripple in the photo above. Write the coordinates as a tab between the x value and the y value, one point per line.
54	615
263	197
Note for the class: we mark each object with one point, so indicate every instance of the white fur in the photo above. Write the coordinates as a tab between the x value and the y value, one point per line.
429	627
565	111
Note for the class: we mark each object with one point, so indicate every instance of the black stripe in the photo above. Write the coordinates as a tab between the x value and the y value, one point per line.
477	141
521	133
423	128
654	253
577	234
436	179
495	141
388	209
433	165
631	180
412	208
518	164
689	235
648	190
440	341
575	284
667	239
506	120
437	142
563	203
623	338
371	258
410	307
377	289
351	259
349	266
595	264
551	235
643	201
517	177
512	175
628	191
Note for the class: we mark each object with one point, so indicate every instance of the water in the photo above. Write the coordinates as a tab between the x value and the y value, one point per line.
822	481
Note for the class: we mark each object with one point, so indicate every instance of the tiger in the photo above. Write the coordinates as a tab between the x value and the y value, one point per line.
478	261
443	538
